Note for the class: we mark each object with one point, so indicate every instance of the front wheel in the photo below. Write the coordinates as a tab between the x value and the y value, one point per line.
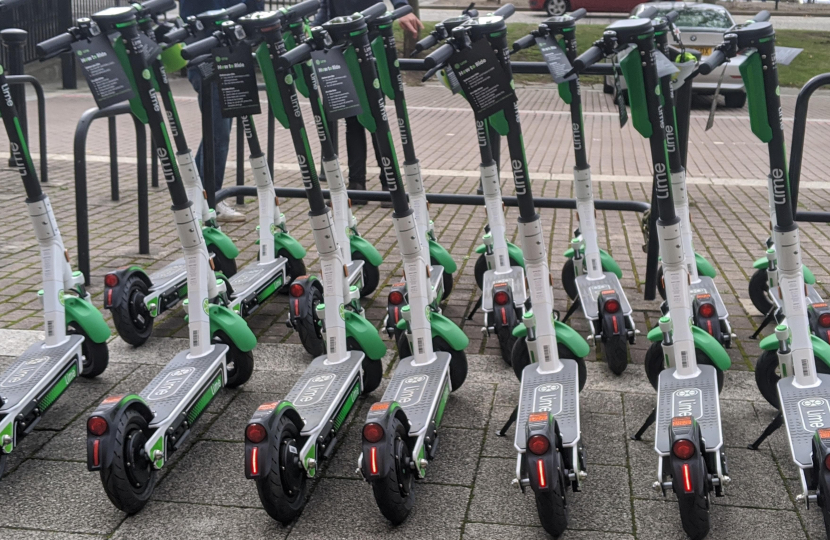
130	479
759	291
282	492
521	359
448	280
458	359
95	356
130	315
394	492
768	373
225	265
552	507
371	275
569	279
694	513
615	353
506	342
654	364
306	326
240	365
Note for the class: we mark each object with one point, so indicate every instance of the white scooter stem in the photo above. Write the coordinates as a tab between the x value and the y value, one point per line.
681	207
193	185
418	287
417	198
495	217
341	211
267	208
198	277
55	269
677	295
541	291
335	285
583	190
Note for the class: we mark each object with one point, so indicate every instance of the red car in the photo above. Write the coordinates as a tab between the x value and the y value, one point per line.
560	7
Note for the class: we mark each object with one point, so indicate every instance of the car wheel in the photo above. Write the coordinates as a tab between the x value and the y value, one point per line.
735	100
555	8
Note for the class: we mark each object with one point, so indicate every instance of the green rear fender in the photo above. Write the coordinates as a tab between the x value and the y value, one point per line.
605	258
514	251
234	326
215	237
703	341
820	348
565	335
704	267
444	328
365	248
87	317
287	242
809	277
365	334
442	256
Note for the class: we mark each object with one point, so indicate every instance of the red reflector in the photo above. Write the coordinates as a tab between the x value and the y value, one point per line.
96	458
683	449
503	316
687	478
396	298
612	306
827	463
109	297
96	425
501	298
540	469
708	310
254	459
616	326
709	327
110	280
373	432
255	433
297	308
296	290
373	461
538	444
824	320
397	315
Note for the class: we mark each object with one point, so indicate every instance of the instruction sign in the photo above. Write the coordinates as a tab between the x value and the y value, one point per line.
340	99
238	92
555	58
483	79
103	72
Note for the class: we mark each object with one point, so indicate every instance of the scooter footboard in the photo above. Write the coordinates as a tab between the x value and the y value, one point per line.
688	396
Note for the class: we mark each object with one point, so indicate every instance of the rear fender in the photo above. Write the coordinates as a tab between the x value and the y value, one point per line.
438	253
259	454
542	470
366	335
688	475
298	307
123	274
111	409
365	248
233	325
87	316
373	466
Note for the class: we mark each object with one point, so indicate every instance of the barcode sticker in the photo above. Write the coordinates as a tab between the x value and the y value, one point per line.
420	345
594	264
501	260
684	359
805	367
50	328
546	352
195	338
332	345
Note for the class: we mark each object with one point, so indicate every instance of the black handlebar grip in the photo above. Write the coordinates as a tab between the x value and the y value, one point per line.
579	13
234	12
713	61
672	16
198	48
524	42
506	11
648	13
54	46
762	16
297	55
372	13
400	12
427	43
176	35
590	57
303	10
10	4
439	56
157	7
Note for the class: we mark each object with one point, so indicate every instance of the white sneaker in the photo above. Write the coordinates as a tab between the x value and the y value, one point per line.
226	213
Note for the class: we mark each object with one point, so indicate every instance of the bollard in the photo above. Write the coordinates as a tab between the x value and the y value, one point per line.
208	161
14	40
114	195
240	158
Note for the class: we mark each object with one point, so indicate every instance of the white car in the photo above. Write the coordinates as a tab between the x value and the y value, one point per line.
702	27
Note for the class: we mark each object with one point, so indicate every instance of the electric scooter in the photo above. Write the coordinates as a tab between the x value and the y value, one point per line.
548	356
590	277
75	333
131	436
688	435
133	296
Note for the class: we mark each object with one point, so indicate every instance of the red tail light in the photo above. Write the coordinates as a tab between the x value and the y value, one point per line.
373	460
683	449
110	280
96	425
708	310
373	432
538	444
254	459
296	290
540	469
827	463
612	306
687	478
501	298
824	320
396	298
255	433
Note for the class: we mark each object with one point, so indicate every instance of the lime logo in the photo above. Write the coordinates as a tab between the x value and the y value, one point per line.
427	313
342	311
456	66
289	79
397	63
205	305
777	90
657	90
376	83
273	229
146	74
60	297
218	58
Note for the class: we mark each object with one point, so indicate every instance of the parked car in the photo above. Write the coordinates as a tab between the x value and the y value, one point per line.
702	27
560	7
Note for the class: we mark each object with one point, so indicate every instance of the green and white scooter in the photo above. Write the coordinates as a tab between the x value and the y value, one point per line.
548	356
590	277
688	433
131	436
75	333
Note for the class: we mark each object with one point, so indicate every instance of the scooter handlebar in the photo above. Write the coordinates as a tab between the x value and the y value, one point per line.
762	16
10	4
304	10
372	13
506	11
157	7
198	48
590	57
672	16
648	13
579	13
712	62
54	46
427	43
297	55
524	42
236	11
439	56
400	12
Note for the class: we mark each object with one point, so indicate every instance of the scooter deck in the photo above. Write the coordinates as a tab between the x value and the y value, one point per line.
171	276
418	389
706	285
693	396
589	290
33	370
557	393
804	410
180	382
322	388
516	278
253	279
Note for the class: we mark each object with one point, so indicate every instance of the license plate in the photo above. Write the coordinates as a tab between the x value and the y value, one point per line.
704	51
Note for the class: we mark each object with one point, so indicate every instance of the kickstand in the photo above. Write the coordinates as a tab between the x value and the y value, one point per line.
771	428
475	308
650	420
572	309
509	422
767	319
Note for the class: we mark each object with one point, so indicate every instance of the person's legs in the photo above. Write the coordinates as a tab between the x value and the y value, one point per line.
383	186
356	150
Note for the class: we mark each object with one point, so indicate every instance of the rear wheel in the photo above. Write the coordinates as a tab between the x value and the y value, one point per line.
221	263
759	291
447	277
655	364
521	359
615	353
240	365
130	479
694	512
569	279
552	507
283	491
3	459
481	268
306	326
458	359
768	373
394	492
95	356
293	268
130	315
371	275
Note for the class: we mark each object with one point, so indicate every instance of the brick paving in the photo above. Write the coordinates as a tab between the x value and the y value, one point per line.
47	493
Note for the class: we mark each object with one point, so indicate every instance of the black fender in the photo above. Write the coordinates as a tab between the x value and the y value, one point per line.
299	305
543	470
99	448
613	324
710	325
820	478
268	415
393	311
691	472
381	413
504	315
112	293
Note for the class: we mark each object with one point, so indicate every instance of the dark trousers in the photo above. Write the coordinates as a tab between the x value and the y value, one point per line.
221	132
356	150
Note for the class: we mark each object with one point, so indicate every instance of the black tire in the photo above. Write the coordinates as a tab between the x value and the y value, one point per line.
240	364
521	359
394	493
221	263
130	315
615	353
283	491
569	279
448	280
372	369
759	291
825	512
3	459
293	268
371	275
767	375
95	356
458	359
130	479
654	364
552	507
306	327
735	100
556	8
479	270
694	514
506	342
661	283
